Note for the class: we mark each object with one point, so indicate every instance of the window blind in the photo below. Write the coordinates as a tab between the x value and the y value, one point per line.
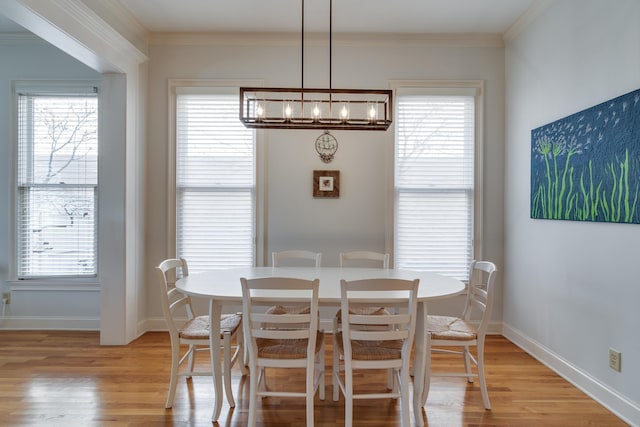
215	182
434	182
57	182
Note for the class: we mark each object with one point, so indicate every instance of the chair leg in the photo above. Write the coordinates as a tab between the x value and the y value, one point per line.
467	363
335	371
483	383
405	414
348	397
253	397
320	369
241	353
310	388
309	404
262	380
175	365
226	364
391	383
192	355
427	372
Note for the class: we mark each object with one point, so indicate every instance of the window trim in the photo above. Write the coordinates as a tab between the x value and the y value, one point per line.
445	87
175	86
47	87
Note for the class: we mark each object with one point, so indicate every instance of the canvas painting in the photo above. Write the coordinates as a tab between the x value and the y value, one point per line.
586	167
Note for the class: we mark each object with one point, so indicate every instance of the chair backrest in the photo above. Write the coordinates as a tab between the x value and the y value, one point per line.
278	257
480	292
173	300
279	290
346	258
386	326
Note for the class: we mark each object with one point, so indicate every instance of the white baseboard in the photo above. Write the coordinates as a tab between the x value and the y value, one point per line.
620	405
50	323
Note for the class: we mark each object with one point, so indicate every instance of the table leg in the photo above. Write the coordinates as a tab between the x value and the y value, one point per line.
421	360
215	311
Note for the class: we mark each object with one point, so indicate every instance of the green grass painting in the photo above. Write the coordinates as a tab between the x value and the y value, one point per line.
586	167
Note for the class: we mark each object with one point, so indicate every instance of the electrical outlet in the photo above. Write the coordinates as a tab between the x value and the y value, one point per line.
615	360
6	296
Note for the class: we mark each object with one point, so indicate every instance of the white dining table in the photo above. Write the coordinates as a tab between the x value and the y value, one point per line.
222	286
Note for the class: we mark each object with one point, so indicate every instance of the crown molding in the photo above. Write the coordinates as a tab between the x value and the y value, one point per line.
76	29
317	39
122	20
93	24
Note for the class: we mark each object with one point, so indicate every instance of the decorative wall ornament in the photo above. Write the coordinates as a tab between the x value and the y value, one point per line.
326	146
586	167
326	183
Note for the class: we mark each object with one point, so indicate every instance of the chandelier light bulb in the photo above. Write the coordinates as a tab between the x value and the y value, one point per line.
372	113
344	113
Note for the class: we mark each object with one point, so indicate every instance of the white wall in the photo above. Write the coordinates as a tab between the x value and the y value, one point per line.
294	219
572	288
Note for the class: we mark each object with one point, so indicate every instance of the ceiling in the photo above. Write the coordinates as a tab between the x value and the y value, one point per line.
349	16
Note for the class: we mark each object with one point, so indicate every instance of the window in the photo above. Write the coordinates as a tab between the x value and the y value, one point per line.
215	180
434	179
57	181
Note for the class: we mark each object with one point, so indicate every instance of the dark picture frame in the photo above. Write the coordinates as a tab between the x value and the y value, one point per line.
326	183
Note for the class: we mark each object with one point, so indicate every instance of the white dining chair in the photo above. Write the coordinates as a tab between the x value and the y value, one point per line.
364	258
185	328
290	340
296	257
348	259
385	344
451	331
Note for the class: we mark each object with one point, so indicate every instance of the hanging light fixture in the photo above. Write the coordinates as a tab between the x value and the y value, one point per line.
313	108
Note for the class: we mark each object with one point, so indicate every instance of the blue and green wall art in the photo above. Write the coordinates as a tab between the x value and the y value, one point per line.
586	167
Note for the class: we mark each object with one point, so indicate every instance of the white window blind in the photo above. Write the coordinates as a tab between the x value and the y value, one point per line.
57	182
215	182
434	182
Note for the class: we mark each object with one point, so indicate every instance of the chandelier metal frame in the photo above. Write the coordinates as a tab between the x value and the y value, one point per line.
316	108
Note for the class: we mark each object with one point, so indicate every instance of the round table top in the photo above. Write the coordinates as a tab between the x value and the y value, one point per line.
224	284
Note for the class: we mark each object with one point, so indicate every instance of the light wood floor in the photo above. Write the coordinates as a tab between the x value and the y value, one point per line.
68	379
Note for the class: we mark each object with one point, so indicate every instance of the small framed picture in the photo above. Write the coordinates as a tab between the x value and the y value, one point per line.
326	183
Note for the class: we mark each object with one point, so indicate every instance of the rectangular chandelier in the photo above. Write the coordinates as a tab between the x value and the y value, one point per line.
304	108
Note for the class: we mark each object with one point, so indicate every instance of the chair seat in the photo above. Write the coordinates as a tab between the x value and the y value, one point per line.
289	309
450	328
364	311
372	350
286	349
198	327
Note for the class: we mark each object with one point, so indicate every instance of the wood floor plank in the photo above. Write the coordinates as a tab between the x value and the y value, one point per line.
65	378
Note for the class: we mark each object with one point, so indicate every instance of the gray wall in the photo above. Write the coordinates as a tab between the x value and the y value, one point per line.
572	288
22	59
360	218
